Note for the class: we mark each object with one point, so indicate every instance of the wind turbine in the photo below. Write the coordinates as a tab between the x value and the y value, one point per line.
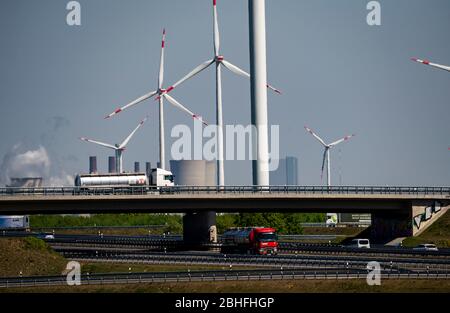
326	153
219	60
162	94
426	62
118	148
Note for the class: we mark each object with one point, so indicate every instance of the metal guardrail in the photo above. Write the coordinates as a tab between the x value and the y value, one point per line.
212	276
97	227
293	261
132	190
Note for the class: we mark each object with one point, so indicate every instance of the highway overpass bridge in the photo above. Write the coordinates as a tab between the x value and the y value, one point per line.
396	211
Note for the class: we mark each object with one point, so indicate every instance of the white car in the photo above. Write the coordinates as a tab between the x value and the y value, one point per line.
49	237
360	243
426	247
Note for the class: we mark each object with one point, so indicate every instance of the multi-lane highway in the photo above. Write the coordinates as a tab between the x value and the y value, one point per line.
296	261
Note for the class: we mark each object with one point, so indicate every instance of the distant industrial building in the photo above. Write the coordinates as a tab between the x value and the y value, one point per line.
287	172
19	222
25	182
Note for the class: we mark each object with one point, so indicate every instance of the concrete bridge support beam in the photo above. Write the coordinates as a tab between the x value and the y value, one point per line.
411	221
425	213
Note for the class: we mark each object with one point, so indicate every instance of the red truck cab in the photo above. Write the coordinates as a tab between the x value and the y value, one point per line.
265	240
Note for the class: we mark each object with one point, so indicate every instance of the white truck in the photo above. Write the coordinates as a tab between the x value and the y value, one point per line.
332	220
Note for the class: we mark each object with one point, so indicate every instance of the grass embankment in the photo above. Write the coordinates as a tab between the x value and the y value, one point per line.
33	257
299	286
438	233
30	256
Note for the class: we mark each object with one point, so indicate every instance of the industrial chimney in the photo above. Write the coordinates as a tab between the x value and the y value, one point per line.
111	164
92	165
148	168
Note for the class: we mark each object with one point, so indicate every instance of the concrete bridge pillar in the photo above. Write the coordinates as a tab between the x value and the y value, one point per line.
386	226
199	228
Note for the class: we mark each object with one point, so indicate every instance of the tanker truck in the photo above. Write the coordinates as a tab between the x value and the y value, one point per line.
155	179
250	240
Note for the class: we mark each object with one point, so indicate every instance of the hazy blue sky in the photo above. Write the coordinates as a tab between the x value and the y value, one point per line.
337	74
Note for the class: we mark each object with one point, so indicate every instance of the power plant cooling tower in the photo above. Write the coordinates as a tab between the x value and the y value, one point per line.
193	172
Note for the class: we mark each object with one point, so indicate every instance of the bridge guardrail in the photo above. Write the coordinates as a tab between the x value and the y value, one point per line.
134	190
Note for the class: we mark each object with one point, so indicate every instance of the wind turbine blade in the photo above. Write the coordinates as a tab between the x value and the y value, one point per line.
340	140
235	69
125	142
426	62
191	74
323	162
107	145
138	100
183	108
309	130
243	73
161	64
216	30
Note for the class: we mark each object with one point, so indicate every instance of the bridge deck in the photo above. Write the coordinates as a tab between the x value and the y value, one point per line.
225	199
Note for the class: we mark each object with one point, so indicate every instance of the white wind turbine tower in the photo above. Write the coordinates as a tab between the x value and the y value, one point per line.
118	148
219	60
162	94
442	67
326	154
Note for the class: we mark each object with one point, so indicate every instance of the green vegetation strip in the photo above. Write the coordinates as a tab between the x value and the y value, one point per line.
285	223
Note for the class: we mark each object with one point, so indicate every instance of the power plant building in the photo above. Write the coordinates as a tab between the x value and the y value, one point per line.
286	174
